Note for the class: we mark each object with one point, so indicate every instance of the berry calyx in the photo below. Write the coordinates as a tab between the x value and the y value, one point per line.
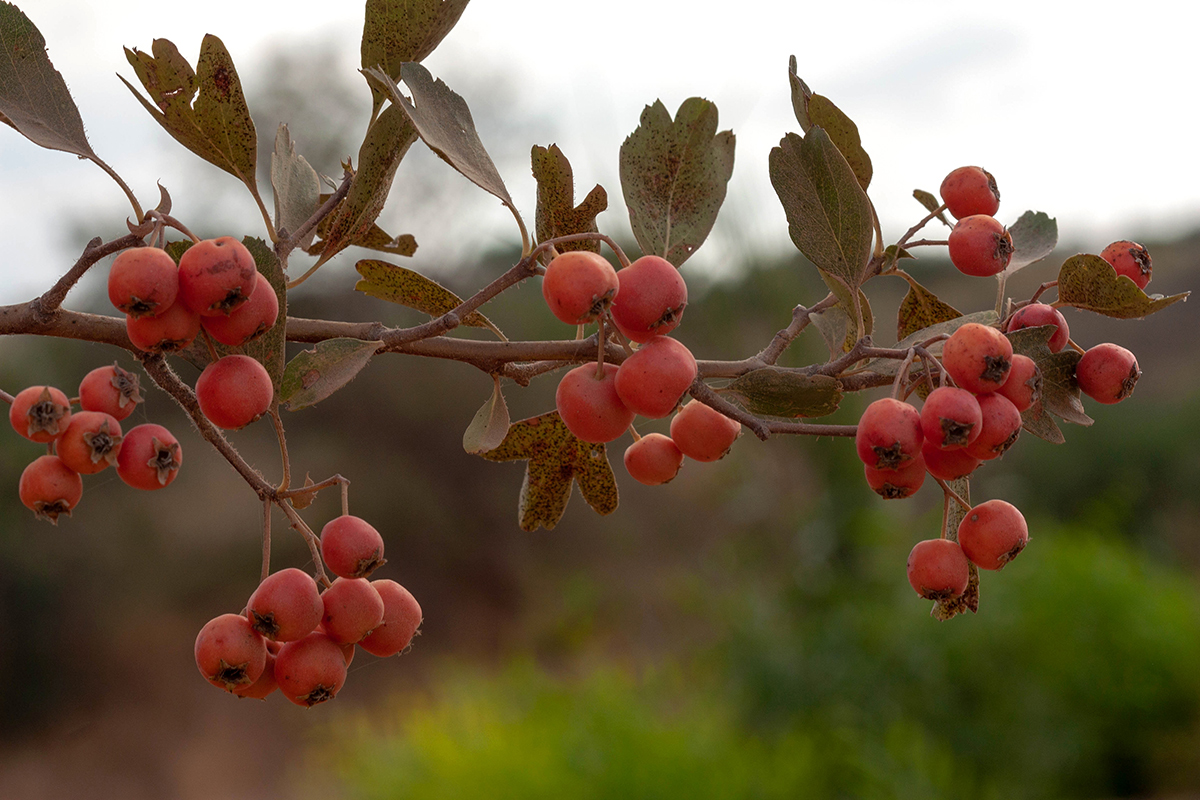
150	457
653	460
112	390
896	484
248	321
1107	373
170	331
650	300
951	418
702	433
938	569
216	276
311	670
48	487
351	547
967	191
40	413
1131	260
91	442
978	357
992	534
234	391
143	281
652	381
579	286
589	404
980	246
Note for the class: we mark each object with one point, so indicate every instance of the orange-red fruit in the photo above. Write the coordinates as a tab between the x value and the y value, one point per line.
650	300
980	246
970	190
948	464
91	442
401	618
978	357
229	653
1107	373
652	380
889	434
286	606
143	282
579	286
216	276
40	413
112	390
1037	314
1024	384
310	670
702	433
172	330
150	457
896	484
234	391
992	534
590	406
1131	260
653	460
352	610
266	682
351	547
248	321
951	418
48	487
1000	429
938	569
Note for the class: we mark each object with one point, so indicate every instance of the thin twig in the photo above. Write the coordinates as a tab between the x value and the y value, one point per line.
950	493
801	317
49	302
277	421
266	540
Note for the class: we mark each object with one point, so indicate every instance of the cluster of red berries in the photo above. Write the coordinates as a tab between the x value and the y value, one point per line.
598	402
300	640
88	441
979	244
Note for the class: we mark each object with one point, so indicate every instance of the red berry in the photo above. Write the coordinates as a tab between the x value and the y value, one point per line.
248	321
401	618
1001	426
589	405
653	460
48	487
967	191
1107	373
992	534
980	246
266	682
40	413
112	390
702	433
650	300
951	418
1131	260
286	606
169	332
652	381
978	357
889	434
948	464
150	457
234	391
229	653
311	670
352	610
351	547
896	484
1037	314
91	442
216	276
1024	384
143	282
938	569
579	286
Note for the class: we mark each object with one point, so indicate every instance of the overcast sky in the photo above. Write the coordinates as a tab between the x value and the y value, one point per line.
1087	115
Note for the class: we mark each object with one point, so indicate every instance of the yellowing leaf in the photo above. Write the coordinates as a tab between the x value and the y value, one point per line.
814	110
296	185
920	309
315	374
1089	282
557	215
396	31
489	425
413	290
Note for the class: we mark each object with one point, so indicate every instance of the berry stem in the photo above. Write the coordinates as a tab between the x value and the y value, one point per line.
266	541
167	219
312	488
1040	290
277	422
284	248
212	348
314	544
345	484
902	373
6	397
637	437
928	243
600	349
951	495
801	317
45	306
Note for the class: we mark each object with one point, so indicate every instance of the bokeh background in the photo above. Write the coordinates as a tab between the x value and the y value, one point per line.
746	631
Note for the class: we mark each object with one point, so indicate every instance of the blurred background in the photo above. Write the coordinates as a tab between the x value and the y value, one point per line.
746	631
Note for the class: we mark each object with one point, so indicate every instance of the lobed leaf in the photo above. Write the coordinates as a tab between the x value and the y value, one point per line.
557	215
296	186
315	374
396	31
921	309
1060	391
1034	236
489	426
814	110
673	177
777	392
1089	282
411	289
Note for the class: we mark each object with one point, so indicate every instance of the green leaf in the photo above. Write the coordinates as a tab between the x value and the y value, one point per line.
920	309
1034	236
932	203
814	110
1060	392
1089	282
296	185
836	328
673	177
829	216
34	98
557	214
412	290
396	31
777	392
968	600
217	127
846	301
890	366
490	424
315	374
556	459
378	239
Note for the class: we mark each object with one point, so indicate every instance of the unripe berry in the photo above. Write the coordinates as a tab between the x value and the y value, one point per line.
311	670
896	484
286	606
91	442
967	191
650	300
951	418
401	618
216	276
579	286
150	457
234	391
1024	383
948	464
1037	314
1131	260
352	609
40	413
143	282
1107	373
351	547
889	434
112	390
978	357
653	460
229	653
589	405
702	433
980	246
48	487
169	332
1000	429
938	569
992	534
653	380
248	321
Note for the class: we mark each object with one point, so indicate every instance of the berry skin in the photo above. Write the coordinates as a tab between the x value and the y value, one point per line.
112	390
1024	384
248	321
1037	314
896	484
978	357
48	487
234	391
1107	373
938	569
589	406
352	610
150	457
889	434
351	547
1001	427
980	246
266	682
311	670
1131	260
579	286
951	418
172	330
948	464
702	433
967	191
91	442
653	460
992	534
40	413
286	606
216	276
652	381
650	300
143	282
401	619
229	653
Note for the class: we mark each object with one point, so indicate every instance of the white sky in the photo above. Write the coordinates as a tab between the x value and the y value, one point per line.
1089	115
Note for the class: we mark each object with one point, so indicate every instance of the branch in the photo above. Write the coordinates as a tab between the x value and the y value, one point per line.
48	303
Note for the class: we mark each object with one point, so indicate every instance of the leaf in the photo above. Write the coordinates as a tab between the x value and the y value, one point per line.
217	127
1034	236
829	216
296	184
847	303
835	327
34	98
920	309
673	177
378	239
889	366
557	215
777	392
931	203
304	499
412	290
315	374
968	600
1089	282
556	459
490	424
1060	392
396	31
814	110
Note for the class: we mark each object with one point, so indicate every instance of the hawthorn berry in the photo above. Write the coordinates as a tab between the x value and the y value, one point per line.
980	246
951	418
286	606
992	534
889	434
248	321
1038	314
653	460
948	465
266	682
652	381
234	391
650	299
938	569
1024	384
216	276
229	653
169	332
1107	373
589	404
968	191
1131	260
40	413
143	281
351	547
401	619
310	670
48	487
1000	427
579	286
112	390
978	357
91	442
896	484
149	458
352	609
702	433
